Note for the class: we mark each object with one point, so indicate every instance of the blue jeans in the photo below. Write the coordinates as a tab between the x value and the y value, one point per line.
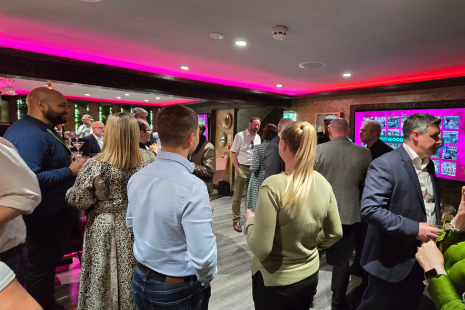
152	294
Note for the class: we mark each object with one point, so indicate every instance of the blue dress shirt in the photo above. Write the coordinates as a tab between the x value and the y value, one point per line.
47	157
169	213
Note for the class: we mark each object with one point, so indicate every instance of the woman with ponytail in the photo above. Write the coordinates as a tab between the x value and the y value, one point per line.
296	215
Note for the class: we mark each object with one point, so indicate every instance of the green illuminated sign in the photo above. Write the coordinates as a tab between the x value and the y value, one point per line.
391	139
290	114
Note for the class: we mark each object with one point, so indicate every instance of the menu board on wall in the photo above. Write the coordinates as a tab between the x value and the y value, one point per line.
450	156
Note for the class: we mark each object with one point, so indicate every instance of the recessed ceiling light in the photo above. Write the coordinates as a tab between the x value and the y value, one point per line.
126	94
146	100
87	95
118	97
279	85
216	35
311	65
241	43
346	74
185	67
158	98
91	0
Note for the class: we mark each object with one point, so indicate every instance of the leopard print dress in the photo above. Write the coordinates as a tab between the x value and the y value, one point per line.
107	259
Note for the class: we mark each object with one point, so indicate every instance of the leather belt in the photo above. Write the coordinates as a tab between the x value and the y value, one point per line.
162	278
9	254
247	166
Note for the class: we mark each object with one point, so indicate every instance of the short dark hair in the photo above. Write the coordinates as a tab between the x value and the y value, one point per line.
270	132
419	122
175	123
142	125
254	118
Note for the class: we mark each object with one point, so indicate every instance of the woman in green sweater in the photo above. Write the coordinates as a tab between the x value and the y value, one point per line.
445	266
296	215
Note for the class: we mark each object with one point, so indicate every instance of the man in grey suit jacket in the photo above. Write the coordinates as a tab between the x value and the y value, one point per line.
273	162
344	164
399	199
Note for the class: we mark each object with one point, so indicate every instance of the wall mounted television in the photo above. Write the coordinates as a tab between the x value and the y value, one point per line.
204	118
450	157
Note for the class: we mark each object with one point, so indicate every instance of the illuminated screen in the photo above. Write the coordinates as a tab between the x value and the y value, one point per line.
204	118
450	157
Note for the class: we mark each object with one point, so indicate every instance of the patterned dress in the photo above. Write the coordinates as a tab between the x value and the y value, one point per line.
258	175
107	260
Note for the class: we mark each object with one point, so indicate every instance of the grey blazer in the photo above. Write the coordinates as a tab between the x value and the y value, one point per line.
345	165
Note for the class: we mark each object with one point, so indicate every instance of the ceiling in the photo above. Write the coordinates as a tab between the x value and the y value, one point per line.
100	94
379	42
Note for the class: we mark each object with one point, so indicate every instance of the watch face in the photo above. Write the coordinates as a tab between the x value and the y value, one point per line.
430	274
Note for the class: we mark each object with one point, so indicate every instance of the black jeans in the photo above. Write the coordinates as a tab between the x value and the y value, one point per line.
403	295
47	240
342	250
297	296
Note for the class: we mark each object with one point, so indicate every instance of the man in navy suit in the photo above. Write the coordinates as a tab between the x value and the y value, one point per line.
400	200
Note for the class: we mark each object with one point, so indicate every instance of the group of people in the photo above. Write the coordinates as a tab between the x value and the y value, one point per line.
335	196
149	242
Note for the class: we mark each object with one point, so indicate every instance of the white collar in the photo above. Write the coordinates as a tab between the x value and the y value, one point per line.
416	160
100	139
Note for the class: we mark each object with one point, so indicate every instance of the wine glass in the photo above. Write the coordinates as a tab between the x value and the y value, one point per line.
69	136
77	144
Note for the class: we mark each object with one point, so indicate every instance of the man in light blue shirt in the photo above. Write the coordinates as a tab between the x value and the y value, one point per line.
169	213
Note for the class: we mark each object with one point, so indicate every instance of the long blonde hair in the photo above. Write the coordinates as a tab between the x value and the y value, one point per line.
121	142
300	137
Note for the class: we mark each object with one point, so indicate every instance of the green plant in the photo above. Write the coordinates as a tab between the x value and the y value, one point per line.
22	107
105	112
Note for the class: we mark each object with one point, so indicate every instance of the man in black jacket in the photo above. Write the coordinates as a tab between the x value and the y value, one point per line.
273	162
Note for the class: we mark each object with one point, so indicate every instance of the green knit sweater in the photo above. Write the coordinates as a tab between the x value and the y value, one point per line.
448	292
285	242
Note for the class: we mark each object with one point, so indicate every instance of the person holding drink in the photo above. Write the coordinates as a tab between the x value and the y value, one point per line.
444	267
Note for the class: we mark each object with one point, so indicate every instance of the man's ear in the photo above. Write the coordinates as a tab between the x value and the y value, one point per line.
415	135
41	106
190	139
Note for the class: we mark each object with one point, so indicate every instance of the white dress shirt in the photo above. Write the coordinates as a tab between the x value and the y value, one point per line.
243	146
19	190
6	276
425	183
99	141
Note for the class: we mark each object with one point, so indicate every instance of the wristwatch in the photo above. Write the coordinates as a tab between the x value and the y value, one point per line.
433	273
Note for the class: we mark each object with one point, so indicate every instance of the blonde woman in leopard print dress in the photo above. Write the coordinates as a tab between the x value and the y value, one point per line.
108	261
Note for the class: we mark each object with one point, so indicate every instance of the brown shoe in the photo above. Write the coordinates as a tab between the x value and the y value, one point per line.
237	226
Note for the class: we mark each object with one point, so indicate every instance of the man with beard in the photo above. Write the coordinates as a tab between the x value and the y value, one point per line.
48	156
241	155
400	202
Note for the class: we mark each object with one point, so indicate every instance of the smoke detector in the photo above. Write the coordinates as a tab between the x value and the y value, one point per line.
279	32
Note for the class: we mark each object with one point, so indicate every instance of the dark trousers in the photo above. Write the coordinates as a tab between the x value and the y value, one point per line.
47	239
297	296
342	250
360	236
149	293
384	295
14	258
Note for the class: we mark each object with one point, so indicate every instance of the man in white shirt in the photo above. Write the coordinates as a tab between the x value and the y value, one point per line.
241	155
85	129
19	194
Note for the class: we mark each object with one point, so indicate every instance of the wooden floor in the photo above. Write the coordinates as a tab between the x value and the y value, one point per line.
232	286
